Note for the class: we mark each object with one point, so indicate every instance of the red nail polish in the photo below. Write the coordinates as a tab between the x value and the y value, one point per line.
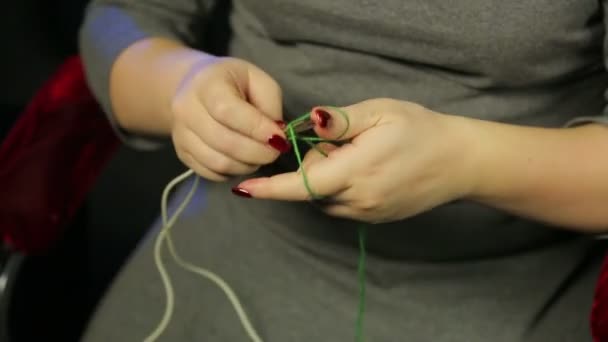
241	192
322	117
281	124
279	143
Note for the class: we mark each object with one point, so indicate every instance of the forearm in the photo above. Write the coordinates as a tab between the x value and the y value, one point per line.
559	176
144	79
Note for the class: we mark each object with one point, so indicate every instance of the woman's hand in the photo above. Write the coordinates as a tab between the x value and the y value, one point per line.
224	119
400	159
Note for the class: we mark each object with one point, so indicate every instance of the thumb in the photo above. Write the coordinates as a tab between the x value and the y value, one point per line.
342	123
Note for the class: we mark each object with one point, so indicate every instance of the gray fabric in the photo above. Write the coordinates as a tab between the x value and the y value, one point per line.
307	290
461	272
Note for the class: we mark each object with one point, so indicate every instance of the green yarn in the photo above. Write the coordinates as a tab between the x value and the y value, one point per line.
294	138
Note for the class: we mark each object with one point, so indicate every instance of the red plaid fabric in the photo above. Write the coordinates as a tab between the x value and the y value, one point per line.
50	160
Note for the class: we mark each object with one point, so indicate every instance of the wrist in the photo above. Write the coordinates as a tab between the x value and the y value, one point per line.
466	155
508	160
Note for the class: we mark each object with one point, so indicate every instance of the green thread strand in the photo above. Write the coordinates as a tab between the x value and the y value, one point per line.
294	137
296	150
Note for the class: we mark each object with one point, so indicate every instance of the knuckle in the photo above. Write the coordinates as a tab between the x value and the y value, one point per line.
186	158
274	86
383	102
221	109
369	204
374	102
409	106
249	169
211	91
268	157
258	126
214	177
221	165
226	144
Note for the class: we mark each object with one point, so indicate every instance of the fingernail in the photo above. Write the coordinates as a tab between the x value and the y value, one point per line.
322	117
279	143
241	192
281	124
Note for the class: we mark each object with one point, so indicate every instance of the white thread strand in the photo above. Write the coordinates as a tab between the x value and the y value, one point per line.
217	280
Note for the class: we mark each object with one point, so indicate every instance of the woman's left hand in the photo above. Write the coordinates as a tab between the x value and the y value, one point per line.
399	159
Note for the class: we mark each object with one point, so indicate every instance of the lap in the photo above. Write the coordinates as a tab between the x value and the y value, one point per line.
295	294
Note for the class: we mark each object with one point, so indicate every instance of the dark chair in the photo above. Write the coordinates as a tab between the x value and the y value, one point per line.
50	284
35	42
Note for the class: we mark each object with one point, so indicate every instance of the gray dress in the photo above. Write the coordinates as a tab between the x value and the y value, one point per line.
460	272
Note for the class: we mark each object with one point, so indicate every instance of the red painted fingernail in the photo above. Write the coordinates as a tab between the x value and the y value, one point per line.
281	123
322	117
279	143
241	192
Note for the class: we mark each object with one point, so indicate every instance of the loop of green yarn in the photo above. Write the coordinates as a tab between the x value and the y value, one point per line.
310	140
294	137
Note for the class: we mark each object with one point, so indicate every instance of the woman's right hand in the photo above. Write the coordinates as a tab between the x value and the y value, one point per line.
226	119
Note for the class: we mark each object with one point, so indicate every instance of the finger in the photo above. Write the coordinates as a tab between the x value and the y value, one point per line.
264	93
227	106
199	169
214	160
334	123
323	178
233	144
